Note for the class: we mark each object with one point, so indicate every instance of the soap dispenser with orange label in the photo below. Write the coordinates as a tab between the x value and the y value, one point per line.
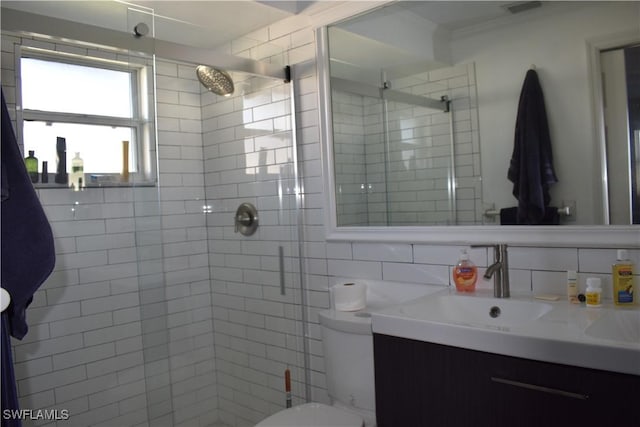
465	274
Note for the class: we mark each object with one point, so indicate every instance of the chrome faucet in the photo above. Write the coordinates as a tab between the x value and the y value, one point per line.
499	270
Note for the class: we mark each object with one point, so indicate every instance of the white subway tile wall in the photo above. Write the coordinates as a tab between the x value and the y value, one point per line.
122	332
146	285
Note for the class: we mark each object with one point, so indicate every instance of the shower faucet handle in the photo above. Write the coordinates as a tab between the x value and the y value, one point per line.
246	219
243	218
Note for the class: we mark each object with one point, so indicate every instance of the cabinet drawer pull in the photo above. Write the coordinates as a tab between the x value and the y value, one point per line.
540	388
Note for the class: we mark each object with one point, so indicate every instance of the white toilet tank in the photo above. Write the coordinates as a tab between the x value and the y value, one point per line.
347	342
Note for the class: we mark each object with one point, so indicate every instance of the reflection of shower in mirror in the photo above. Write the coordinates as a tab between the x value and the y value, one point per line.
477	53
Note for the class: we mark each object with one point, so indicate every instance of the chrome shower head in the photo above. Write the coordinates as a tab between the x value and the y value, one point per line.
216	81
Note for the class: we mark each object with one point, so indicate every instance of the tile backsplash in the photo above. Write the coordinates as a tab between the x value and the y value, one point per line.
535	270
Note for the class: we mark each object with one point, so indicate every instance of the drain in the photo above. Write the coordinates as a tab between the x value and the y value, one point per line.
494	311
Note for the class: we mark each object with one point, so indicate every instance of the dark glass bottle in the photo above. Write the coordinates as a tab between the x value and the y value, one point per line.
61	174
45	172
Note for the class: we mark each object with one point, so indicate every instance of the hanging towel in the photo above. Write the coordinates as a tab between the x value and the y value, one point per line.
509	216
531	168
28	255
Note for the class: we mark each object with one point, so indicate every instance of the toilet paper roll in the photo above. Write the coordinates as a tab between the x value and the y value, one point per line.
349	296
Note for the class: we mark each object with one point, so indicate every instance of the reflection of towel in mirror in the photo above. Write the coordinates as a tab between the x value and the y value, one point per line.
28	255
531	169
509	216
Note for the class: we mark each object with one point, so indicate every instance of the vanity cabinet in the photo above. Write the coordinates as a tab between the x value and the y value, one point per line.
425	384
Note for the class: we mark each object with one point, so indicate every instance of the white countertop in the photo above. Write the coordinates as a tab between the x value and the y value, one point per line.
558	336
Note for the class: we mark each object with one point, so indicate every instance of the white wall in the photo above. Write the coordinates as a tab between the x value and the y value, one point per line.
557	45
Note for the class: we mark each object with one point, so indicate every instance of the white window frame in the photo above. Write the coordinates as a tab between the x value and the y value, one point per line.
142	120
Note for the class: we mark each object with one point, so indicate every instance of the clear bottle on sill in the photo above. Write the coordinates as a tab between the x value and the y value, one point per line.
77	173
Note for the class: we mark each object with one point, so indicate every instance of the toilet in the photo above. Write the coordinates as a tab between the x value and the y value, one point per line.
347	342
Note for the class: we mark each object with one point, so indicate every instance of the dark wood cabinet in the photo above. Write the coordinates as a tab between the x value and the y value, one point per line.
431	385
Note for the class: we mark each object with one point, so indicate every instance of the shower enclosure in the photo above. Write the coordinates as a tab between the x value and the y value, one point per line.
403	126
400	169
158	312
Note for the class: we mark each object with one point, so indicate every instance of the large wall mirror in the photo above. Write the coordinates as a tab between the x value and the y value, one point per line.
419	103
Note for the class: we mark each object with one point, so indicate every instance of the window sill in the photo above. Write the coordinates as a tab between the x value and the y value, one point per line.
101	184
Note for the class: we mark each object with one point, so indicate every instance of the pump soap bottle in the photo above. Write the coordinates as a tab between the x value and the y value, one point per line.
465	274
622	272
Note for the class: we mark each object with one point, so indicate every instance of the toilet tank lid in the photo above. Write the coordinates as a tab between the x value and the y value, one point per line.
312	415
353	322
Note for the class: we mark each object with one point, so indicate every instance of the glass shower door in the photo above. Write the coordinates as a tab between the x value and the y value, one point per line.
256	294
234	305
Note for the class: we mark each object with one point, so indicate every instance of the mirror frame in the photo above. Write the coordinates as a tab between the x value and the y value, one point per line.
542	236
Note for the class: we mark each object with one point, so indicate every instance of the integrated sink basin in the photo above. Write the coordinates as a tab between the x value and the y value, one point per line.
605	338
475	311
617	326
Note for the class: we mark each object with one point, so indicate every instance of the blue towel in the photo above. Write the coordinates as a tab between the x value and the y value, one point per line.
28	254
531	168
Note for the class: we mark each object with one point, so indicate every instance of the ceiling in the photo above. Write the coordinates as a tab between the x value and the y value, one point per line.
404	37
206	24
210	24
455	15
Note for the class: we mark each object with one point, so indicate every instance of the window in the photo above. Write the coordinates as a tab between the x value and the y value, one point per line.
94	104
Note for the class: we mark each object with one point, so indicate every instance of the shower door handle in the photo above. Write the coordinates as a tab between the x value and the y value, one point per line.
283	290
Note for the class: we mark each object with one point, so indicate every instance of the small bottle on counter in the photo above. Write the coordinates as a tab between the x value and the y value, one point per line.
594	292
622	278
572	286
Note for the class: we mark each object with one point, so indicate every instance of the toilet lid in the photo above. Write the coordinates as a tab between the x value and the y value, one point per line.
312	415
